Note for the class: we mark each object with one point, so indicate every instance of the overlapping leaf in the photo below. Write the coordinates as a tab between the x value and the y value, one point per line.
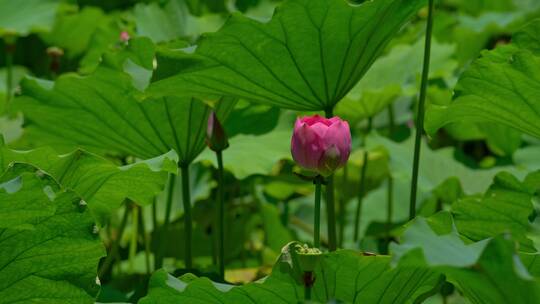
49	248
307	57
505	208
342	275
99	182
503	87
101	112
485	272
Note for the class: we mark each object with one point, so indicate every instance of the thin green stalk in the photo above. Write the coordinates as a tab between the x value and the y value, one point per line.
165	227
317	217
309	280
390	206
145	240
391	120
134	237
111	256
390	185
330	204
155	228
420	114
342	207
221	217
187	216
362	188
10	49
307	293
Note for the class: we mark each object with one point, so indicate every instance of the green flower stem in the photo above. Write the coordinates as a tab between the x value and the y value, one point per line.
390	180
362	188
134	237
331	213
221	217
10	50
390	206
308	285
330	204
106	266
317	217
186	198
420	114
391	120
307	293
155	227
165	227
145	240
342	206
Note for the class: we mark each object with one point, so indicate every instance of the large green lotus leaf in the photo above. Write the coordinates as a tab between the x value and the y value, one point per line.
307	57
24	17
99	182
102	112
49	248
343	275
485	272
500	87
504	208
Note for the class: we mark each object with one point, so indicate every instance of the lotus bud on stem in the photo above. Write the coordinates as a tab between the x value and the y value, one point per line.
217	141
322	145
55	53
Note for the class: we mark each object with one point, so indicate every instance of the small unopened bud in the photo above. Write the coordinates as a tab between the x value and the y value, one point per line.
55	53
216	139
124	36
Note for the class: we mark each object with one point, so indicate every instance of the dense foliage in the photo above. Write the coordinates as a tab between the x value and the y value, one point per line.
109	194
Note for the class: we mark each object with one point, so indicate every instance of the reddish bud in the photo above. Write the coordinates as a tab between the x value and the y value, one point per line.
216	139
124	36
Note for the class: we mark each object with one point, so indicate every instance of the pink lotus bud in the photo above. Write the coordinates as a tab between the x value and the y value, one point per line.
216	139
321	145
124	36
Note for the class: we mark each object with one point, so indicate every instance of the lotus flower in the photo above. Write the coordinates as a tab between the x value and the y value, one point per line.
321	145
